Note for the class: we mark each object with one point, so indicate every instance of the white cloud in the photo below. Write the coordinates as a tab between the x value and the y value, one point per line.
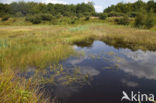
141	64
86	1
134	0
129	83
99	8
43	1
7	1
54	1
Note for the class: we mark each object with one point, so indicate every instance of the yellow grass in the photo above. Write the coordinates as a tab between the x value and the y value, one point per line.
40	46
17	90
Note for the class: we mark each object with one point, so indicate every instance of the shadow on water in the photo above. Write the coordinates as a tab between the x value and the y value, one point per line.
82	44
117	43
101	74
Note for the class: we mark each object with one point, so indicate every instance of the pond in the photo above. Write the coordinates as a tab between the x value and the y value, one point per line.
109	71
112	71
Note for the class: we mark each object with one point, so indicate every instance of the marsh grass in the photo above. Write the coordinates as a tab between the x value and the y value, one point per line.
32	47
39	46
17	90
126	37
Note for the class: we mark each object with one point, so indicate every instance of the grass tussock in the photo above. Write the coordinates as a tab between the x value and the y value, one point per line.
17	90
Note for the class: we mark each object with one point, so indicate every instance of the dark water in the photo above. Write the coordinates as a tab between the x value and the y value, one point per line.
111	71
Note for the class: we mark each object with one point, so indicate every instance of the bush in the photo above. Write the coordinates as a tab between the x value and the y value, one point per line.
115	14
144	20
123	21
54	21
103	16
19	14
46	17
87	18
5	18
132	14
149	23
139	20
34	19
79	15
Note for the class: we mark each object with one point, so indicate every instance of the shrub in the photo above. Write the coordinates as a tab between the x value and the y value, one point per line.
96	14
103	16
73	20
144	20
34	19
79	15
54	21
87	18
123	21
132	14
19	14
149	22
115	14
28	18
58	15
46	17
5	18
139	20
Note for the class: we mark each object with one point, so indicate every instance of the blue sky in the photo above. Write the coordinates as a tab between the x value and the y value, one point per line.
99	4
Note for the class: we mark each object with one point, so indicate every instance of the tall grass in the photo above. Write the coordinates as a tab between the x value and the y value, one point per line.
127	37
17	90
38	46
32	47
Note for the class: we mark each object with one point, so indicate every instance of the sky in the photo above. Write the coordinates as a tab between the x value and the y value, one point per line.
99	5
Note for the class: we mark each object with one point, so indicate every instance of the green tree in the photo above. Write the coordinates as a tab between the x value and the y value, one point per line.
139	20
149	22
103	16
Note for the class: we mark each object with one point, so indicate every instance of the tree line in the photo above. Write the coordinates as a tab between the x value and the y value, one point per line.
20	9
132	8
144	13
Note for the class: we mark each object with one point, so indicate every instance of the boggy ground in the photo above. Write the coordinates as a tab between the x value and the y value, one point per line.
22	47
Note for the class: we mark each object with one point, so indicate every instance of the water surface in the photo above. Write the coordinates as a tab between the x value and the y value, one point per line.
111	71
100	74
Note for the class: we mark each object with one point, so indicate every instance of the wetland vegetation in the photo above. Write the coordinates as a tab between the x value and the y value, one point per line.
39	37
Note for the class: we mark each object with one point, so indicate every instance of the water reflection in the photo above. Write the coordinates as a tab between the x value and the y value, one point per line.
129	83
113	70
101	74
140	64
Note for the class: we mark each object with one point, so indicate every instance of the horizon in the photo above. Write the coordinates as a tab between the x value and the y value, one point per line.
99	5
